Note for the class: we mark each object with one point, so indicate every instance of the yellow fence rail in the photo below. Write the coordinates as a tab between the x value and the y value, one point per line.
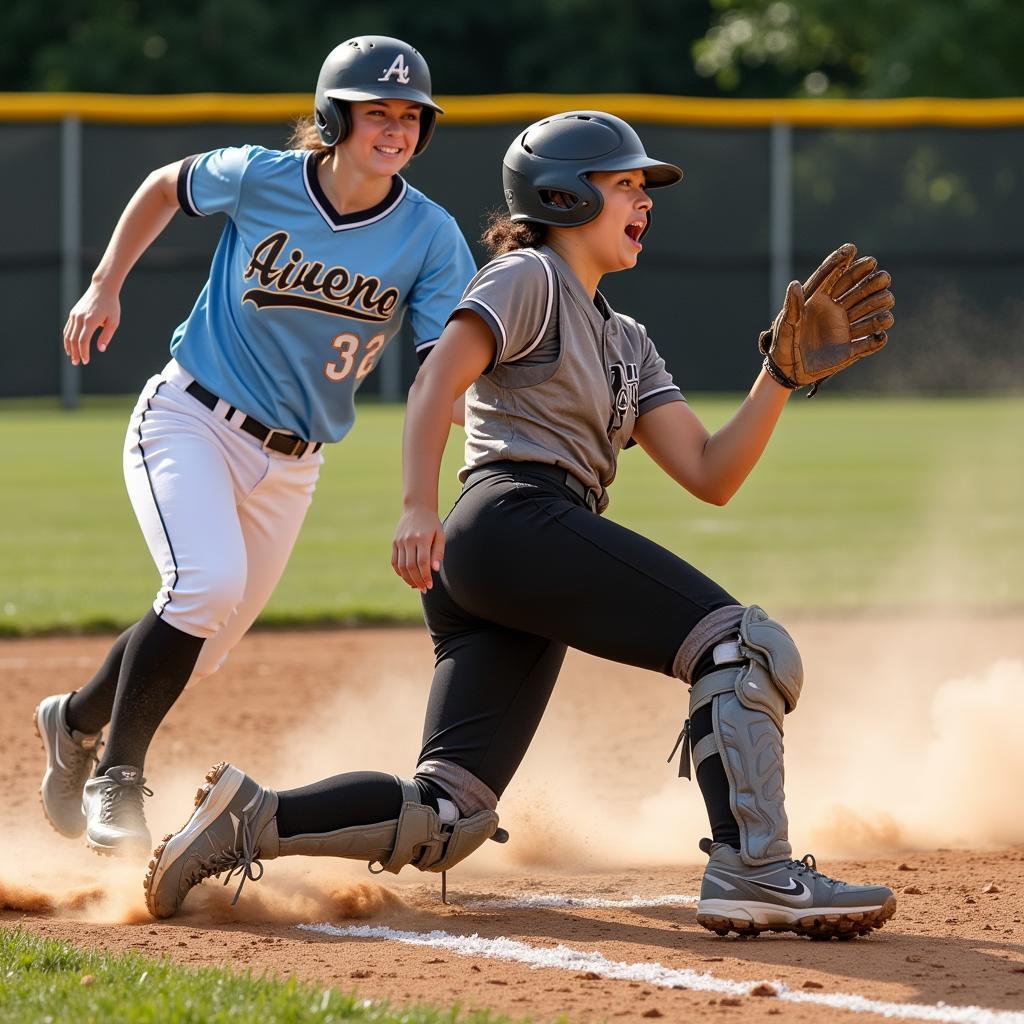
522	107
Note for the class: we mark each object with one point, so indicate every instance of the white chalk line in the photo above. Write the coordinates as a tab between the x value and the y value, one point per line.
567	959
581	902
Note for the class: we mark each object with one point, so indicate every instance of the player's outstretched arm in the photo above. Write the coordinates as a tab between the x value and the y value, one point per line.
839	315
148	212
712	466
463	352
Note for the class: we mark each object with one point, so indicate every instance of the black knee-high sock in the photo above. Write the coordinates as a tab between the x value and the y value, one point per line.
158	661
355	798
89	708
714	785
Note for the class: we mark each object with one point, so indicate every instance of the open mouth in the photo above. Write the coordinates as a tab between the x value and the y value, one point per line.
635	229
388	150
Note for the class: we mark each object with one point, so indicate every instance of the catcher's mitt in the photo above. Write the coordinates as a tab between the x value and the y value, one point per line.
839	315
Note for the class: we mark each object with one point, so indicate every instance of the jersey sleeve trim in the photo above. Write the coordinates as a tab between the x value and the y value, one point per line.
492	320
185	197
424	348
547	310
658	397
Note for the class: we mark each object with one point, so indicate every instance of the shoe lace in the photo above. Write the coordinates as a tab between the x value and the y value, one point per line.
126	798
234	861
808	865
80	764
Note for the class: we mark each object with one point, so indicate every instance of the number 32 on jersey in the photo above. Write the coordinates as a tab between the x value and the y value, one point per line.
347	345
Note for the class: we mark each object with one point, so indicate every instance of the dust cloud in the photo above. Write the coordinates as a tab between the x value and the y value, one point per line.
906	737
61	879
899	759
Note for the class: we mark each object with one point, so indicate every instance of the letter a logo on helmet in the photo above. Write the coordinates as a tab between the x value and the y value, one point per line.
358	71
398	68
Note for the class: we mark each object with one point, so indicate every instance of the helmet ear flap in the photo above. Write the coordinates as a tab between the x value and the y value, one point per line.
428	121
333	121
344	113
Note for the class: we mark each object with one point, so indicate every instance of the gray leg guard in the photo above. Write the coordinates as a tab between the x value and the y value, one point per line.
757	683
417	836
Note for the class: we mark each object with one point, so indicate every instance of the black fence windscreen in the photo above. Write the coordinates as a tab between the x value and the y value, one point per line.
942	208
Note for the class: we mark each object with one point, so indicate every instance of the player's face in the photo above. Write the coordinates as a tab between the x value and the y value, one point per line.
614	235
384	135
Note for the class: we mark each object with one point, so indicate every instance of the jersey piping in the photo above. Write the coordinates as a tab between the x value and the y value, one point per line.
497	320
156	504
547	311
346	221
424	348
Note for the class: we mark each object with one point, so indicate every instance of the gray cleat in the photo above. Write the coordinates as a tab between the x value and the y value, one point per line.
786	896
70	757
231	818
114	820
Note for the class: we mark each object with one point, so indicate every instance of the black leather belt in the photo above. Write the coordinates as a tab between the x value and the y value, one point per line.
279	441
586	494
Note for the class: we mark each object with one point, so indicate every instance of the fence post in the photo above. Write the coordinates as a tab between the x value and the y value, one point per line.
780	213
70	245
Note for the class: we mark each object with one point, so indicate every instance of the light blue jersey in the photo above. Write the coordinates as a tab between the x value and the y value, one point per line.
302	300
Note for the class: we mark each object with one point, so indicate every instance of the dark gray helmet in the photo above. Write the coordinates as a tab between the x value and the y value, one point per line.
556	155
371	68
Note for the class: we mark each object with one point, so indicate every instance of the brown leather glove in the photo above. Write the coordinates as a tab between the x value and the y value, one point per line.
839	315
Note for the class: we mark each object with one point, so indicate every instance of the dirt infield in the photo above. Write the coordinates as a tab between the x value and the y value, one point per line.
905	767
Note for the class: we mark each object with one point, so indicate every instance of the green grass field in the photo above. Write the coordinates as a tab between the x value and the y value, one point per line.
859	504
46	980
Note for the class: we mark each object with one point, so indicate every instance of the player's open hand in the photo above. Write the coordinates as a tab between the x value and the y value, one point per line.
99	309
418	547
842	313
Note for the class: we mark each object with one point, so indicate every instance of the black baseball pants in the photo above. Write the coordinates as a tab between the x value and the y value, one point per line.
528	571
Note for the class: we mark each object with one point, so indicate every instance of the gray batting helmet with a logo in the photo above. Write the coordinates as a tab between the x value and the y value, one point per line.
555	155
372	68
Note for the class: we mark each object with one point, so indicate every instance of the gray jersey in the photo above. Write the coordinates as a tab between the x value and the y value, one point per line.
568	380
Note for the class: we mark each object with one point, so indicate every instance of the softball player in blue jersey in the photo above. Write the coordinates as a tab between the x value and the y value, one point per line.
325	250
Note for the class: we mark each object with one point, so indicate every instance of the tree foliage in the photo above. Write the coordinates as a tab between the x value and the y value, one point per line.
145	46
680	47
872	48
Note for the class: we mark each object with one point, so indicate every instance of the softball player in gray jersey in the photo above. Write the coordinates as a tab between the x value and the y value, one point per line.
558	383
325	250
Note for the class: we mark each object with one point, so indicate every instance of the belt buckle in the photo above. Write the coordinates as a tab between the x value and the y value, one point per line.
297	449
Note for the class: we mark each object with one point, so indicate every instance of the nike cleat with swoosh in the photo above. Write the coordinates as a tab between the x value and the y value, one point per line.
231	817
787	896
